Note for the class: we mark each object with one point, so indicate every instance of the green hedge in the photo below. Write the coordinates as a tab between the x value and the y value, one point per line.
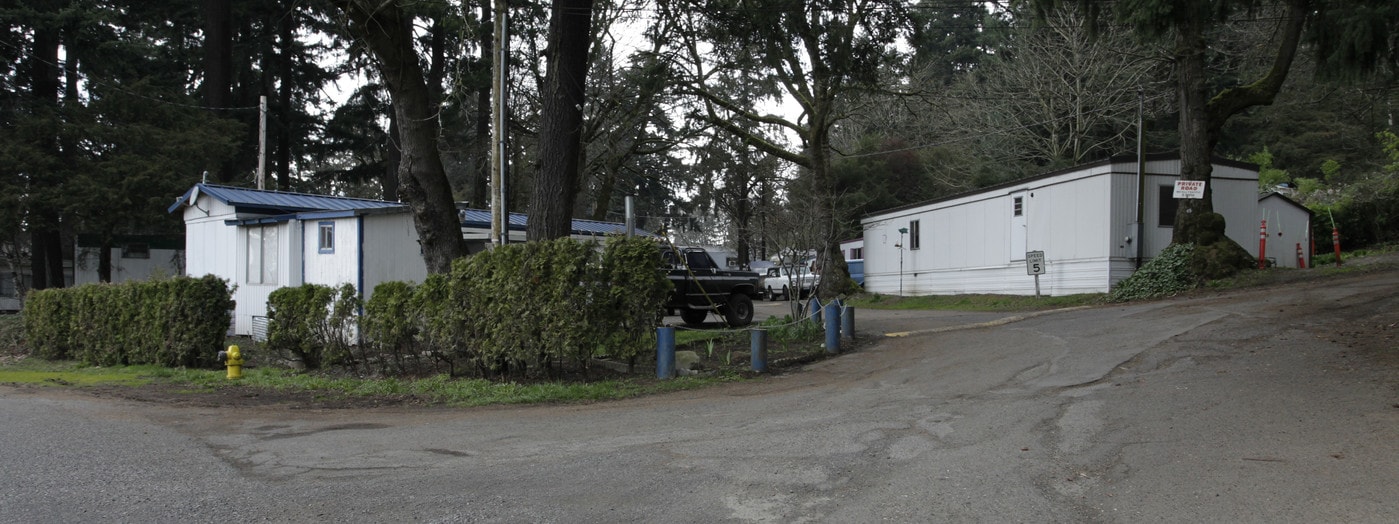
173	322
523	307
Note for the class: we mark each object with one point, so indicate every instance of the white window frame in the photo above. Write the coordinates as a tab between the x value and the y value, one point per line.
325	243
262	254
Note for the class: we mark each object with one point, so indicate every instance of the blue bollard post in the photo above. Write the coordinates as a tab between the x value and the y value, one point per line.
813	310
759	359
665	353
847	323
832	329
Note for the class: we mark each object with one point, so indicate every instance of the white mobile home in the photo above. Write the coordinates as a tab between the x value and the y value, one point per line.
264	240
133	257
1083	219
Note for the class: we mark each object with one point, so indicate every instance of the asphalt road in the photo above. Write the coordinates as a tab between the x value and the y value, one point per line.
1267	405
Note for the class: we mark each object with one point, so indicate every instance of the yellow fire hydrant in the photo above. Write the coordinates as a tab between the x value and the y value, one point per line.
234	360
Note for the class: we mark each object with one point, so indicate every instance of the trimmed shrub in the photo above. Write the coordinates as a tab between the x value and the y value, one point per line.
633	297
390	326
173	322
521	308
312	322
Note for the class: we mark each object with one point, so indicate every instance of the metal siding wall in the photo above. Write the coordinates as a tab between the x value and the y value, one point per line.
1070	221
1123	215
210	245
1064	277
391	251
340	267
1156	236
1237	200
1287	227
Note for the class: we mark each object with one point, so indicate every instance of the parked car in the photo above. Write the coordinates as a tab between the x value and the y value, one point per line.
780	281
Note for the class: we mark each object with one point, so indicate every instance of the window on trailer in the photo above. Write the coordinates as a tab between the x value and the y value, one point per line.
262	255
327	237
136	250
1166	207
913	242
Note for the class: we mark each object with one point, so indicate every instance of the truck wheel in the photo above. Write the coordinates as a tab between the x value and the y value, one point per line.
694	317
739	311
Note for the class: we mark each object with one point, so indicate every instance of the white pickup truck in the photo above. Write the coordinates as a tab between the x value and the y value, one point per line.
781	280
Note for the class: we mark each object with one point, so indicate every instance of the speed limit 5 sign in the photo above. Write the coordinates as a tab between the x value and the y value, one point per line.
1034	263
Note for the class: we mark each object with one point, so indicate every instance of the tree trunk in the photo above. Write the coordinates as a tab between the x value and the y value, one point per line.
104	259
393	156
283	111
218	65
480	187
1202	118
561	121
218	53
38	268
388	34
54	258
41	214
1196	141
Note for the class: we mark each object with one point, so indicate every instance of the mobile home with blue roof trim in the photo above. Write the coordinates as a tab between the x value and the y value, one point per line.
264	240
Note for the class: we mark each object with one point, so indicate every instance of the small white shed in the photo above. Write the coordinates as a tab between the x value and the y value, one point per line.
1083	219
264	240
1289	231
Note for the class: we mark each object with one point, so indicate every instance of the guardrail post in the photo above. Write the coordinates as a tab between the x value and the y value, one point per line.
665	353
832	328
759	360
847	323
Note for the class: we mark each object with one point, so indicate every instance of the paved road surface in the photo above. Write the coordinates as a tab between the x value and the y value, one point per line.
1276	405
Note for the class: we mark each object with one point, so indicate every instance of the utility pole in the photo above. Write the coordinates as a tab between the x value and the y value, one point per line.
1141	178
500	214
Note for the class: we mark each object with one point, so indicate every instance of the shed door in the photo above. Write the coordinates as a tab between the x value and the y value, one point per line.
1018	225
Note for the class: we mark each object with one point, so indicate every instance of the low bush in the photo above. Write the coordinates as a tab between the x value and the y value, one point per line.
1167	274
172	322
312	322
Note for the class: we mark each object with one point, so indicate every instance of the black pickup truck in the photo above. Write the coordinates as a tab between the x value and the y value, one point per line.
703	286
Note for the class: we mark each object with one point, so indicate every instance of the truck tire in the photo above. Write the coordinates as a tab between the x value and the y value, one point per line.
739	311
694	317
